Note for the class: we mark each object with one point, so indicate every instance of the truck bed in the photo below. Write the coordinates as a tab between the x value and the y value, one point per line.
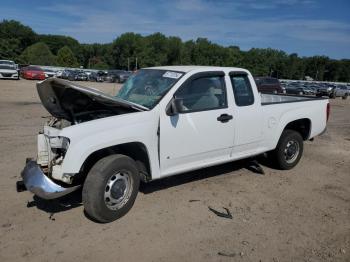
270	99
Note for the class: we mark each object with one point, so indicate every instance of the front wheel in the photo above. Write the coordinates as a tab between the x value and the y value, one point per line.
289	150
345	96
110	188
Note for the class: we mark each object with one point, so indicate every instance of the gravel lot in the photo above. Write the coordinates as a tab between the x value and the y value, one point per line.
297	215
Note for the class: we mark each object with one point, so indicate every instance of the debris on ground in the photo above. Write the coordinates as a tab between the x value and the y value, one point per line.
255	167
227	214
226	254
51	217
6	225
193	200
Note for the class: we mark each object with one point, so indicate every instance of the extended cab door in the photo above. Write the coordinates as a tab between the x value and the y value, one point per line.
202	132
247	113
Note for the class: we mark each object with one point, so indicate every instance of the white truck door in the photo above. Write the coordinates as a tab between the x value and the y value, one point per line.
247	113
203	130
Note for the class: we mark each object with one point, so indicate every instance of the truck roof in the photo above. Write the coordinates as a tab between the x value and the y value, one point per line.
189	68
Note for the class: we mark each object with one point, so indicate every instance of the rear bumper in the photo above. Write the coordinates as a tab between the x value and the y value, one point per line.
38	183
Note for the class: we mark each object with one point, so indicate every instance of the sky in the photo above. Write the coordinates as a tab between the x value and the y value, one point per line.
305	27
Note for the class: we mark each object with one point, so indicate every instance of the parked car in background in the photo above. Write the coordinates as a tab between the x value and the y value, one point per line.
340	91
117	76
81	76
49	73
59	73
325	90
71	75
96	76
268	85
33	73
123	76
8	70
65	73
310	90
294	89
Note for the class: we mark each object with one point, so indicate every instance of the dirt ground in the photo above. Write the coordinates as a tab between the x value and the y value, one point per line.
297	215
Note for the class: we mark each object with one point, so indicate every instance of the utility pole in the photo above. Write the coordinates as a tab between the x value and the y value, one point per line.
136	64
128	64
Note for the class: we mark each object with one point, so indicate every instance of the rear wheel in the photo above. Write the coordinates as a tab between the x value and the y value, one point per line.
289	150
110	188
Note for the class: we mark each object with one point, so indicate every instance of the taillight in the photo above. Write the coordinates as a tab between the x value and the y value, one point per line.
328	111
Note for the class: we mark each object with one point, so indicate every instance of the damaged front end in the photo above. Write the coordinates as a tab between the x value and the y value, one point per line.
44	176
69	104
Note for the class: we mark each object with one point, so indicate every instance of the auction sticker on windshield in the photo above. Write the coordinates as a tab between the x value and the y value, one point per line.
171	74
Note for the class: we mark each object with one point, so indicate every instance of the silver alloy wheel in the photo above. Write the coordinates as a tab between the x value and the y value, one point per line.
291	152
118	190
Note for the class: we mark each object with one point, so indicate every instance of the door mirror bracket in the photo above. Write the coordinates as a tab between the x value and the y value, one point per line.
174	107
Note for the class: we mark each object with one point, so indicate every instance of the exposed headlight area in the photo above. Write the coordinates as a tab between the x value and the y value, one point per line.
51	151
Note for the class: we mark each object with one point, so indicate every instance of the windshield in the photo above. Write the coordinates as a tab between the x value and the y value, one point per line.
147	86
7	66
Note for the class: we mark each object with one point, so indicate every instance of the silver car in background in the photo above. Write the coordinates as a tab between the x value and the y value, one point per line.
341	91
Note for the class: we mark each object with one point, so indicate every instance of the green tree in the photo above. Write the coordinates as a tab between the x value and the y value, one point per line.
9	48
174	50
38	54
127	46
20	43
11	29
14	38
56	42
66	58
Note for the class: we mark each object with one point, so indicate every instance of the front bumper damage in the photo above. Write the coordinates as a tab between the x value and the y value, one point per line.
38	183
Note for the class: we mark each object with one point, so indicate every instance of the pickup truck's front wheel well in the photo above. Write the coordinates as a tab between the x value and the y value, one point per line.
302	126
135	150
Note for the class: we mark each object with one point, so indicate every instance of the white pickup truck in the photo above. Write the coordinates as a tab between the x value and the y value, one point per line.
164	121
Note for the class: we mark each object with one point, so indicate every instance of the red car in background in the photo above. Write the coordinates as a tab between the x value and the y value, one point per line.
33	73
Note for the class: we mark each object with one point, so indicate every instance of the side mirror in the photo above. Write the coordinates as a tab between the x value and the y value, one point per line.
174	107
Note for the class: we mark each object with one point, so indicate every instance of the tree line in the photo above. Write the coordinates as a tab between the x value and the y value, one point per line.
130	50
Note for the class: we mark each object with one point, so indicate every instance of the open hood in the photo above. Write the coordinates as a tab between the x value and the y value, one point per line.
69	101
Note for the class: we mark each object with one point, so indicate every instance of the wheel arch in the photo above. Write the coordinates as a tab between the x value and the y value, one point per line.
135	150
302	126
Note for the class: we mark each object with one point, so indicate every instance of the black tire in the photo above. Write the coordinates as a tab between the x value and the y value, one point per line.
279	155
332	95
345	96
96	185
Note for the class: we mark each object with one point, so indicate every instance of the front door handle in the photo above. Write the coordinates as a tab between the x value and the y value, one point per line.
224	118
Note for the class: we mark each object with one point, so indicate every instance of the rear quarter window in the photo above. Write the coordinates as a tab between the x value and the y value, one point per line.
242	90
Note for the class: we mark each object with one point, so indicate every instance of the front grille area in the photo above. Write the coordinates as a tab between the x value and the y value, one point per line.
6	74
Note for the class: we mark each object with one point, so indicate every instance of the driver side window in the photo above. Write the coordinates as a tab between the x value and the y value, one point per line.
204	93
